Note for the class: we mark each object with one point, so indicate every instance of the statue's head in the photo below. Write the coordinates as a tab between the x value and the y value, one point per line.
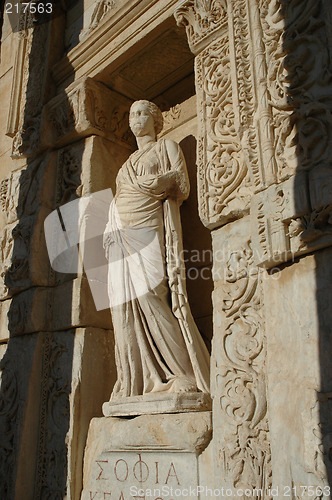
152	109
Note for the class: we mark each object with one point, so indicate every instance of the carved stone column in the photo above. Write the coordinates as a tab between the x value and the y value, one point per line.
264	88
230	169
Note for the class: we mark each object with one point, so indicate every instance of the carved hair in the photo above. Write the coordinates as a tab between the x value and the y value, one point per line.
155	113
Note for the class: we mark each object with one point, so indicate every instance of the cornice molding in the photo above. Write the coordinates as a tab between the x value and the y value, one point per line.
124	25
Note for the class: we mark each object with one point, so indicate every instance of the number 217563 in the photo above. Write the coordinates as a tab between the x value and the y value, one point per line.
33	8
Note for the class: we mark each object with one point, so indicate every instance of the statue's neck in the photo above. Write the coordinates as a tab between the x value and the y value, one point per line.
143	142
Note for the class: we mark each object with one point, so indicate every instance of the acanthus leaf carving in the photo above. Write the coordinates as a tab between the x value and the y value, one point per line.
80	111
201	18
299	82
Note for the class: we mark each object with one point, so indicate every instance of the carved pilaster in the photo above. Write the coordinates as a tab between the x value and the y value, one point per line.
51	469
26	197
28	86
241	426
294	215
227	145
222	171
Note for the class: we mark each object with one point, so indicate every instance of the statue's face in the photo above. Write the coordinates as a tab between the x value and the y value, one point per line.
140	120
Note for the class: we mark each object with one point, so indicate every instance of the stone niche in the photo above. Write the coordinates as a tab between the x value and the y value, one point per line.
142	73
163	450
159	452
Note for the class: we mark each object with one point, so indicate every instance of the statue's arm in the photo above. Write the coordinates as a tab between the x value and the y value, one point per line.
181	186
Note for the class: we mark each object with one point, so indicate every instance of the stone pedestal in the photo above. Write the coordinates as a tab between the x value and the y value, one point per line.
150	456
152	404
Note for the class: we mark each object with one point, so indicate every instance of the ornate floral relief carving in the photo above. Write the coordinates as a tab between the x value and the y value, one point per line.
15	257
19	82
273	24
172	115
240	392
310	232
20	194
201	19
223	177
285	222
62	117
98	117
68	177
175	116
27	89
9	411
54	416
243	87
4	185
300	79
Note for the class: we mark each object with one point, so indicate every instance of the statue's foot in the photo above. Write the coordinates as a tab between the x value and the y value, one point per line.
183	385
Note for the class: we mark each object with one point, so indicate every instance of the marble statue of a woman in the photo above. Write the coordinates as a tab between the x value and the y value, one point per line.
158	348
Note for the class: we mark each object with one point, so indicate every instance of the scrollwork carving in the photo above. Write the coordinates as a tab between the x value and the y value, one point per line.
240	380
15	249
172	115
311	231
223	176
54	416
28	87
9	409
299	82
68	177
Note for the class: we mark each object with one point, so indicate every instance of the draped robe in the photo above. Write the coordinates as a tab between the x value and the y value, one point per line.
157	344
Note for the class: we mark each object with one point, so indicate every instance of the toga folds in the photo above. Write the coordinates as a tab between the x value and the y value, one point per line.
157	344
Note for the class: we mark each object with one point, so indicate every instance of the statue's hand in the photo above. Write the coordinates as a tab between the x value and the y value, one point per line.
160	185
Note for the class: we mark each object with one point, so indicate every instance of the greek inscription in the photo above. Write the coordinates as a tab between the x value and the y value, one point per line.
157	472
172	475
101	469
141	470
123	471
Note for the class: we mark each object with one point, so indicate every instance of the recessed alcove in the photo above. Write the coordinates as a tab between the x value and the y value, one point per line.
160	68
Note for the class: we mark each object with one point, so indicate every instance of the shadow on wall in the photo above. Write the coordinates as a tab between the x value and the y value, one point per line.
197	246
36	367
307	41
